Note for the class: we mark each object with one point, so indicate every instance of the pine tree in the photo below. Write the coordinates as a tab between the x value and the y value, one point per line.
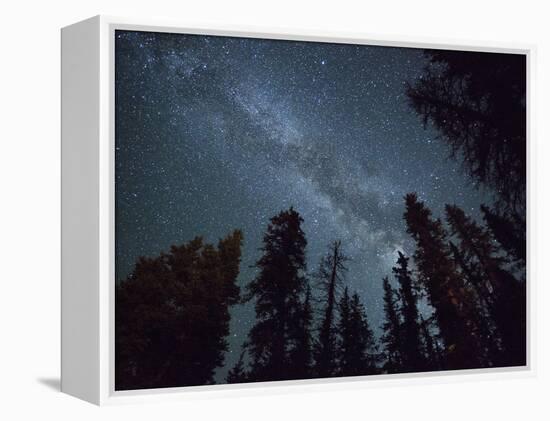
413	358
276	292
357	348
330	277
392	331
446	292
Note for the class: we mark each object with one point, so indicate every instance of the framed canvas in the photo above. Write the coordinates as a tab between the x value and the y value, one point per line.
245	209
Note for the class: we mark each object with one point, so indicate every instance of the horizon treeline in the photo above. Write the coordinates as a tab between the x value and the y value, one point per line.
172	313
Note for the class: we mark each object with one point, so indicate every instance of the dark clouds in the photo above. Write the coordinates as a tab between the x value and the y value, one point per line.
216	133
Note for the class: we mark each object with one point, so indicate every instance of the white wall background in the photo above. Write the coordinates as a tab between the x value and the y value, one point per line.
29	209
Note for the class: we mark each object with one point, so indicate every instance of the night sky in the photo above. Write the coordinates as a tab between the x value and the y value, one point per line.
219	133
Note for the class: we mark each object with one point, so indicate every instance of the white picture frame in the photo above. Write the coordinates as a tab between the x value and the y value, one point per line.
88	214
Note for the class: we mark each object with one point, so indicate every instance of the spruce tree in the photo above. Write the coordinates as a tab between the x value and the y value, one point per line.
477	102
502	296
357	348
276	292
366	340
431	347
482	317
392	337
509	230
346	335
445	287
301	357
413	358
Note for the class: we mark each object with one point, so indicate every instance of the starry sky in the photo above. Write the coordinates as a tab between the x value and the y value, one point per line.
219	133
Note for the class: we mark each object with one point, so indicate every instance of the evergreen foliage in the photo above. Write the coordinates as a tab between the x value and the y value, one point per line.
357	347
277	291
172	315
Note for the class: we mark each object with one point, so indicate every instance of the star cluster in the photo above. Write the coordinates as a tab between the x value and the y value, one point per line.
219	133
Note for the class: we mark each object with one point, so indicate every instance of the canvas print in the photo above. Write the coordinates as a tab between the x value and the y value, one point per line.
293	210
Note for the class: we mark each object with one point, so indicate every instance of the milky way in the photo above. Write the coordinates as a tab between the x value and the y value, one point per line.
219	133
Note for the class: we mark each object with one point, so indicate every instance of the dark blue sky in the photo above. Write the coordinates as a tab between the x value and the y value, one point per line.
219	133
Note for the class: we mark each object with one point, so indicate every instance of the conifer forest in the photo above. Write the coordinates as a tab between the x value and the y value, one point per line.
292	210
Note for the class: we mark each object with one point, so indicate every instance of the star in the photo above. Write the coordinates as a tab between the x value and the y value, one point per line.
207	142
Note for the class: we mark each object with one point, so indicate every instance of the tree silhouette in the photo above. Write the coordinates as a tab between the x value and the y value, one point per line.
412	355
439	275
301	357
501	295
477	102
432	349
172	315
238	373
330	274
277	292
357	347
481	317
509	231
392	337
